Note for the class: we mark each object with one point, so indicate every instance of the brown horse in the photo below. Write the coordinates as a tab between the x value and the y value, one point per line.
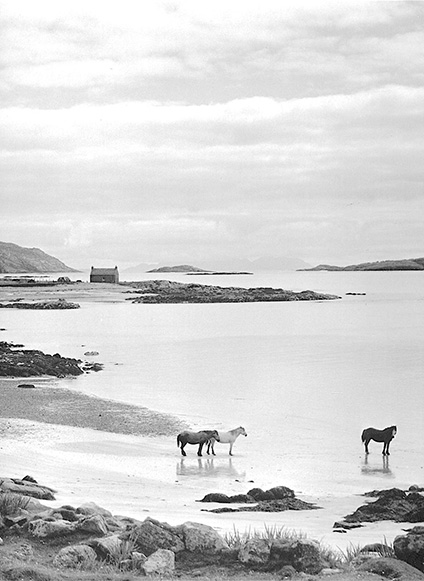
385	436
199	438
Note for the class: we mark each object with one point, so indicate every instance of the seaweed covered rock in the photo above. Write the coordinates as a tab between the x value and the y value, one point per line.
393	504
277	499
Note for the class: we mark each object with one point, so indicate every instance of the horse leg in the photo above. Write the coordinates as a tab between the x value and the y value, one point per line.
366	446
183	452
199	451
386	445
212	445
231	449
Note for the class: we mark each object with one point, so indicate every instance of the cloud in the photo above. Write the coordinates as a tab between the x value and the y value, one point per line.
201	127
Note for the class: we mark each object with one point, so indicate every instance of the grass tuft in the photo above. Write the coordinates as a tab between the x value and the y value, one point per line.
12	502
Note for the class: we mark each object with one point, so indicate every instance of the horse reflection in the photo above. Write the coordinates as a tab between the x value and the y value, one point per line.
208	468
384	469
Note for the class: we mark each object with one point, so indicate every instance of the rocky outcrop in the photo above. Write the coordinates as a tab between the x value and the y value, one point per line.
17	362
277	499
178	268
165	291
59	304
393	504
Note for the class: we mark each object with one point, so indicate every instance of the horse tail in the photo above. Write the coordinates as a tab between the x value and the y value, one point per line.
363	437
178	440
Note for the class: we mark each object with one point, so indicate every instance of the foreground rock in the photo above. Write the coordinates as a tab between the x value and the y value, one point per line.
26	486
410	547
164	291
393	504
17	362
277	499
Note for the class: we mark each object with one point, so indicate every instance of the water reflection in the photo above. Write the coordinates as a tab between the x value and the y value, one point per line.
208	467
377	468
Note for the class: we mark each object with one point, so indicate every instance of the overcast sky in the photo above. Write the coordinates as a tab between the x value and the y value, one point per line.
182	131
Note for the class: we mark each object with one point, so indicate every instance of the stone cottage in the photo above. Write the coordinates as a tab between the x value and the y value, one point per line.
110	275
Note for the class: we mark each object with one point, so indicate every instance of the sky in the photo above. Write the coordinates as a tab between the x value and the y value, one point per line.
184	131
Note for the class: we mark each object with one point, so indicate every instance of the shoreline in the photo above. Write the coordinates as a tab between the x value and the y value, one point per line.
126	462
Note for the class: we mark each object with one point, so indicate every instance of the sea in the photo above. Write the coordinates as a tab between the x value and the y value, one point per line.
303	378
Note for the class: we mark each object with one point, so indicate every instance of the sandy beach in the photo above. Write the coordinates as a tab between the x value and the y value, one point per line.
125	458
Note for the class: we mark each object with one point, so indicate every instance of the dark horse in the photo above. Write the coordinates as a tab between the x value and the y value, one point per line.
195	438
385	436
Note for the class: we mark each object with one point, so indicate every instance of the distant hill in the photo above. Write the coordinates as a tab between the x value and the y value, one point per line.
405	264
179	268
15	259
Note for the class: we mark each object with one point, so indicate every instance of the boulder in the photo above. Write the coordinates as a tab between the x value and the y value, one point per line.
67	513
202	538
161	562
76	556
410	547
390	568
255	551
259	494
43	529
107	547
151	535
94	524
91	508
303	555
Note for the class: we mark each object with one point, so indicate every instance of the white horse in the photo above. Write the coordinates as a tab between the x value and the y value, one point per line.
226	438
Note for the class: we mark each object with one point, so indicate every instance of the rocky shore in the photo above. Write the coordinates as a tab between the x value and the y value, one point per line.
88	537
164	291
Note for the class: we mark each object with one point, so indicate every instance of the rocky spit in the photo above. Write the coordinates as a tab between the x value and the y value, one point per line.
18	362
59	304
79	537
164	291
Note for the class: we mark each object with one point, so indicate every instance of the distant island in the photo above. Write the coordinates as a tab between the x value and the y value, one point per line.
188	269
179	268
14	259
405	264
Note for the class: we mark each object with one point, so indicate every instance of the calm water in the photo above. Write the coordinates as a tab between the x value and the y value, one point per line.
304	379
